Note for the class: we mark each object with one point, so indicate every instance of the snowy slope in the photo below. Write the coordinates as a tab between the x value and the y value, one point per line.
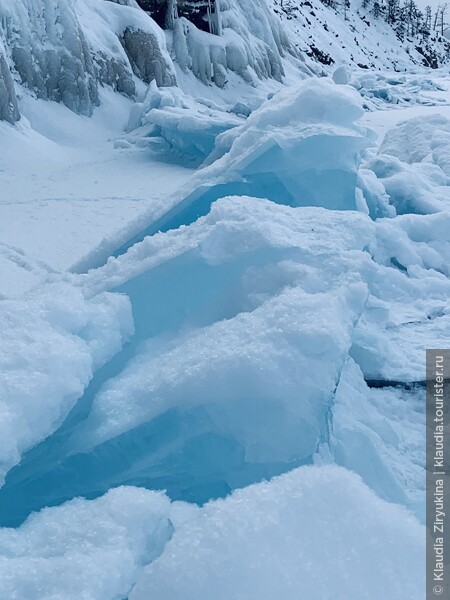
330	37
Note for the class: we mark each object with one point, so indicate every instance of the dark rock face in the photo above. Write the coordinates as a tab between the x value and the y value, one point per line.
9	111
145	57
195	11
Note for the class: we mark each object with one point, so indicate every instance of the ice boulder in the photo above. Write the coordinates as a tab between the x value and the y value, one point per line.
413	165
340	76
407	310
243	322
377	432
302	147
420	188
315	533
94	550
174	123
51	344
422	139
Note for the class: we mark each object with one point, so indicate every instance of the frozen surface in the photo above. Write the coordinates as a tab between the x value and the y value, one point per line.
273	284
302	147
77	192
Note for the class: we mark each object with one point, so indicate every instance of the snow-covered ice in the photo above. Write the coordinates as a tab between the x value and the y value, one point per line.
52	342
220	284
290	538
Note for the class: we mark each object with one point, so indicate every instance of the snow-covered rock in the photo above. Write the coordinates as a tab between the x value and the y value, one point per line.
62	51
9	110
251	43
49	51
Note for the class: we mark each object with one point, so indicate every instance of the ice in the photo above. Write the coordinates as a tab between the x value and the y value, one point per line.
413	165
218	388
340	76
86	550
63	51
378	433
301	148
418	189
316	533
49	51
168	120
270	539
408	310
375	197
9	110
265	320
378	89
52	342
252	44
420	140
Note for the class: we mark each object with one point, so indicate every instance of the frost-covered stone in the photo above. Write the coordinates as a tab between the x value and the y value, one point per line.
62	51
146	58
49	51
125	43
9	110
252	44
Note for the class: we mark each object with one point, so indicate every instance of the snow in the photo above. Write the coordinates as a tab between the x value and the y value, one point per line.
269	539
302	147
76	191
86	550
315	532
